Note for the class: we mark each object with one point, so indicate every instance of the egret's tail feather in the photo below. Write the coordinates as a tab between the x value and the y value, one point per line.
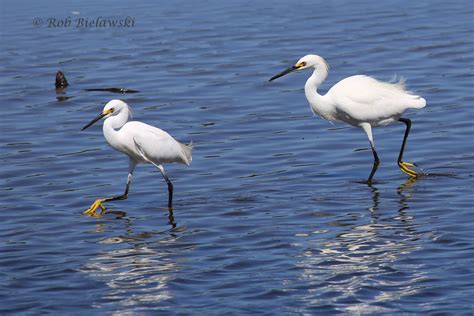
414	101
398	81
417	102
187	152
422	103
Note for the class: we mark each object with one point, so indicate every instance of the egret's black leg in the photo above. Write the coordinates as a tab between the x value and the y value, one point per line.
368	130
407	131
375	165
170	192
404	166
170	186
124	196
98	203
171	218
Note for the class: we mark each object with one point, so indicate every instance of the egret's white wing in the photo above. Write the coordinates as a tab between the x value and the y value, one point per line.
158	146
366	99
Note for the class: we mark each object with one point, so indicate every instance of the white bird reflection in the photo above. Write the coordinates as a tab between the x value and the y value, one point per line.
367	265
136	268
134	276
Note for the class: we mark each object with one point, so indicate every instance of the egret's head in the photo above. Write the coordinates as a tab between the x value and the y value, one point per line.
112	108
308	61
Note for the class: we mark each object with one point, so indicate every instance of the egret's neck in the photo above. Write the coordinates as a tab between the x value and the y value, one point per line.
113	124
319	103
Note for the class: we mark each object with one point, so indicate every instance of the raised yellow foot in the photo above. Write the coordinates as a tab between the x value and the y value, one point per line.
404	167
91	210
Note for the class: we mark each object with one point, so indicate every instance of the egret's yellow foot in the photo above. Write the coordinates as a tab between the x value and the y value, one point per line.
404	167
91	210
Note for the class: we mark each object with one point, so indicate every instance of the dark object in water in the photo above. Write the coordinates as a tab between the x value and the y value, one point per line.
61	84
61	81
114	90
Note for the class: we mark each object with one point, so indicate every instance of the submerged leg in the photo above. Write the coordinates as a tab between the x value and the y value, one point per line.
404	166
98	203
368	130
170	186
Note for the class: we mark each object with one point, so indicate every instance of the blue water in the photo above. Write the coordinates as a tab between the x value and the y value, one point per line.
270	218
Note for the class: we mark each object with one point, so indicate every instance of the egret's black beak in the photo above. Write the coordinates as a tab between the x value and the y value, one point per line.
101	115
284	72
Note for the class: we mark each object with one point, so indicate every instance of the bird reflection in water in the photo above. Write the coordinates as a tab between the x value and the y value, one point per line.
122	214
367	258
135	266
400	191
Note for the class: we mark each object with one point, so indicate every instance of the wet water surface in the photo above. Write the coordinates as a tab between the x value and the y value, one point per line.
271	216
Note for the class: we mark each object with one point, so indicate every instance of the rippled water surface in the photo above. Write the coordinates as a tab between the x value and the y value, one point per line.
271	217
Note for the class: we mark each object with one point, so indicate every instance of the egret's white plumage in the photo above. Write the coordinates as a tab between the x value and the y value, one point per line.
142	143
360	101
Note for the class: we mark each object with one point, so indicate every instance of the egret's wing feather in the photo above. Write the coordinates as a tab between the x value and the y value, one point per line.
156	145
366	98
367	90
140	150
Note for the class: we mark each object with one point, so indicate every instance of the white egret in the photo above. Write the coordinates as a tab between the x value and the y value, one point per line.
360	101
142	143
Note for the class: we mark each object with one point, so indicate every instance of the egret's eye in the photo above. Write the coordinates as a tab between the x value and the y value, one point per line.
109	111
300	65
